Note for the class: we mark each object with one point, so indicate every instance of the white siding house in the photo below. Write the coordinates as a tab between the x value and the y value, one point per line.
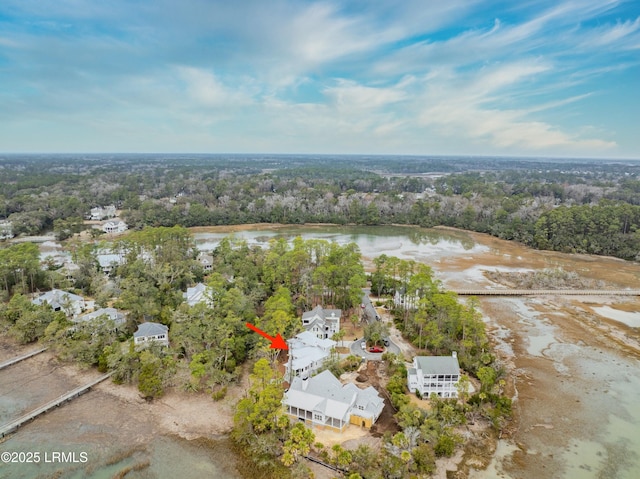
307	354
206	261
6	230
406	301
71	304
434	374
198	294
114	227
100	213
151	333
110	313
323	323
322	401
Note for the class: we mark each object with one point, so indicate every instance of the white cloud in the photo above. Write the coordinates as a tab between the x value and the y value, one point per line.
205	89
462	110
348	95
621	34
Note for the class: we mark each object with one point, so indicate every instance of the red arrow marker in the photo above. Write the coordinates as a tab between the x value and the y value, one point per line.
276	343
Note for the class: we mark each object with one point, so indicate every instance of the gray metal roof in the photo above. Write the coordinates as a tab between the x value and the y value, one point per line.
150	329
322	313
196	294
438	364
111	313
324	393
57	298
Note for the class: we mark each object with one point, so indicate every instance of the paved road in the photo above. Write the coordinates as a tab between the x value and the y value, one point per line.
355	347
357	350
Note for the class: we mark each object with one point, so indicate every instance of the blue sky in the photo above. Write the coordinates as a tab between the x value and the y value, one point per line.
461	77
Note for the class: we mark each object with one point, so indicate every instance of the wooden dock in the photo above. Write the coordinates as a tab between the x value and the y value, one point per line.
546	292
12	426
15	360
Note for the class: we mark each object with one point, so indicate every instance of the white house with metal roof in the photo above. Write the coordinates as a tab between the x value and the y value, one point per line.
71	304
198	294
100	213
406	301
151	333
307	354
323	323
114	226
434	374
206	261
324	402
6	230
109	313
108	259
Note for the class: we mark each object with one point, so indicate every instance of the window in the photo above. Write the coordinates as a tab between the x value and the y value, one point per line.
317	416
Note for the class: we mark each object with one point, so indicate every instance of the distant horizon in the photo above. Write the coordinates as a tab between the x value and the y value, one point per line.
346	155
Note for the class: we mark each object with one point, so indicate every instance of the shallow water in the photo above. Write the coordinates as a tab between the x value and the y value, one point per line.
402	242
163	457
629	318
599	437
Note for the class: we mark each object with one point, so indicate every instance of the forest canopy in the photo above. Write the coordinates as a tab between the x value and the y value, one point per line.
581	206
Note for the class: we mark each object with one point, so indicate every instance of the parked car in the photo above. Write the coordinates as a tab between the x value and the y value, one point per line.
376	349
363	345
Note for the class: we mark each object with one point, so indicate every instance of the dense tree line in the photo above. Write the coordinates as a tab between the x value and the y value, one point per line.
503	197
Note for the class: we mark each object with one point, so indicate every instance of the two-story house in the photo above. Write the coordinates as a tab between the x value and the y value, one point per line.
6	230
323	323
323	402
115	226
206	261
434	374
307	354
100	213
71	304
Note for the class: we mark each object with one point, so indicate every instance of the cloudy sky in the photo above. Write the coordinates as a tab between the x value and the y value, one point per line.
530	77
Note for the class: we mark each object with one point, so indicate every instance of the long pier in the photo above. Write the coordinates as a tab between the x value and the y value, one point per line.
11	362
545	292
14	425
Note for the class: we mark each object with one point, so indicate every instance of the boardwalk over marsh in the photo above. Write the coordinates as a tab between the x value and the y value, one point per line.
74	393
546	292
11	362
